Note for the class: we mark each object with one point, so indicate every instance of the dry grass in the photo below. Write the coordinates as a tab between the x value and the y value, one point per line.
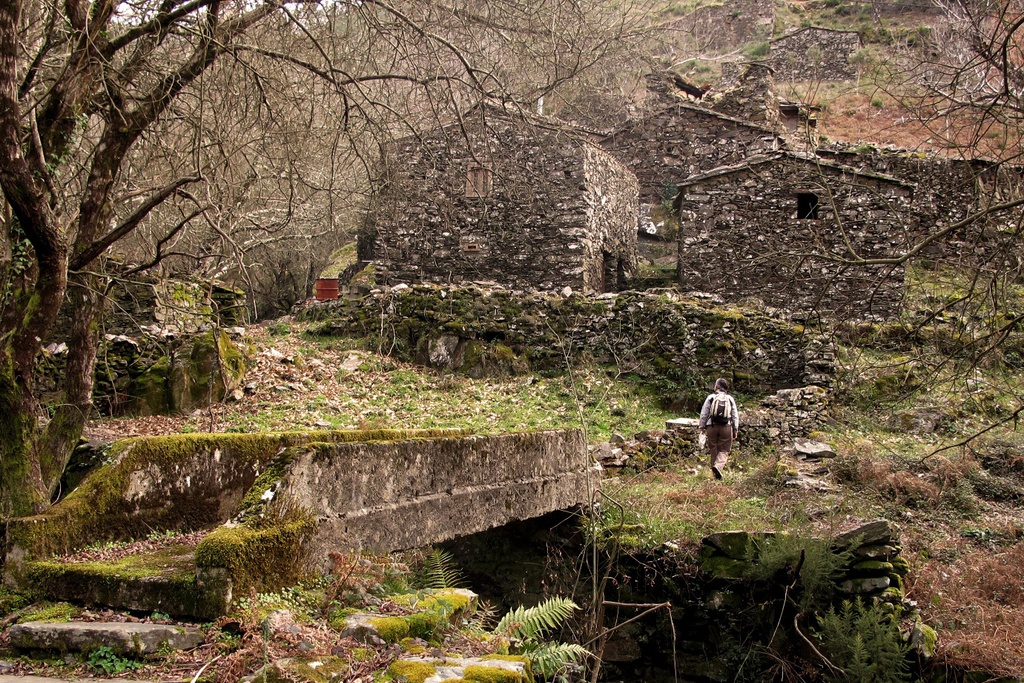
977	604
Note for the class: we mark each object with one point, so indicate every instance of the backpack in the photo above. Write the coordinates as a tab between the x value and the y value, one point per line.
721	409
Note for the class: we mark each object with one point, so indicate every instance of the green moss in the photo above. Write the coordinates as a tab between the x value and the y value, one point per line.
10	602
723	567
492	674
413	672
440	602
390	629
873	567
258	558
362	654
99	509
424	624
53	612
900	566
341	259
412	646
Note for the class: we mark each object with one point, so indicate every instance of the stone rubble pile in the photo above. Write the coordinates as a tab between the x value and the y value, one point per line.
875	570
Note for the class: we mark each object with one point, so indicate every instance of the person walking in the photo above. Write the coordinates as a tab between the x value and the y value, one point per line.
720	421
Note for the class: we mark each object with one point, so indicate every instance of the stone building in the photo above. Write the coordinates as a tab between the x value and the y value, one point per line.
677	138
504	196
758	229
813	53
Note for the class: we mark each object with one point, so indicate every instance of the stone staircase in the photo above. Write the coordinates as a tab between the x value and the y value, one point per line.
166	580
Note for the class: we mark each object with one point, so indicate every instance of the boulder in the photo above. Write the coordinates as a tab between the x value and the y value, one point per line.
812	450
733	544
871	584
129	639
878	532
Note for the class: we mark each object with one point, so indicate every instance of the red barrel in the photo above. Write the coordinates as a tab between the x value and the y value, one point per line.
326	288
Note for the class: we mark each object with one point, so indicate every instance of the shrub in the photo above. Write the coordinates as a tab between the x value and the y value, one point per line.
783	558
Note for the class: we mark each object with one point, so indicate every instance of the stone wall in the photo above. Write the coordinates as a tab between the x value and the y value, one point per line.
678	139
182	482
749	94
388	496
946	191
741	237
814	54
611	251
534	225
681	344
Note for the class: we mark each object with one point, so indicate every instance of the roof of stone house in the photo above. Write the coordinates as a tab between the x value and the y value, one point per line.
761	159
683	104
840	147
811	28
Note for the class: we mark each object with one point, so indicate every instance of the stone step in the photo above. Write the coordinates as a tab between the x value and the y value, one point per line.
128	639
162	581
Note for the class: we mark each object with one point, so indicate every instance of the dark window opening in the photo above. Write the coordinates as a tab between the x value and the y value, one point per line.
806	205
478	182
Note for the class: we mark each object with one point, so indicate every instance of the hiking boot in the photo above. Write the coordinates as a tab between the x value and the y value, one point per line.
715	471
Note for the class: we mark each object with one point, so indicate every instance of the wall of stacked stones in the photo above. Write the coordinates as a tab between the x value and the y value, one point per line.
740	238
947	191
680	141
814	54
527	233
612	211
658	336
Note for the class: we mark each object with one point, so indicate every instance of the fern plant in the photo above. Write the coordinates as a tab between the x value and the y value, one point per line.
527	626
440	572
864	642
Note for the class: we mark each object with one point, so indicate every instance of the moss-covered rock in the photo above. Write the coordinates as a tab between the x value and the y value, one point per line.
923	639
412	671
163	581
732	544
263	558
303	670
720	567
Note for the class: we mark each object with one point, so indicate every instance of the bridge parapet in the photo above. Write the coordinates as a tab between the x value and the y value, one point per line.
388	496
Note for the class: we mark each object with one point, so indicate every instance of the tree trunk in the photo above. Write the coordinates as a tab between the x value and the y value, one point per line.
64	430
21	486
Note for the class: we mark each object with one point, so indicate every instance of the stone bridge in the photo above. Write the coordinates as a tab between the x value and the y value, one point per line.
277	506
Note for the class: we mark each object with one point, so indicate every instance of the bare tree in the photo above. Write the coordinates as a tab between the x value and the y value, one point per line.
208	130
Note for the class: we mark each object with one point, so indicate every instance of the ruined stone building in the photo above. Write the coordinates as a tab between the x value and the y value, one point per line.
504	196
814	53
677	138
778	228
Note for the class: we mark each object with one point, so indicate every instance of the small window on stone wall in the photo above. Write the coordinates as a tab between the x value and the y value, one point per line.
806	205
478	182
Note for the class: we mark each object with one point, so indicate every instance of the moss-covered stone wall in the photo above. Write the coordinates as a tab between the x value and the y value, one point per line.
393	495
655	335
